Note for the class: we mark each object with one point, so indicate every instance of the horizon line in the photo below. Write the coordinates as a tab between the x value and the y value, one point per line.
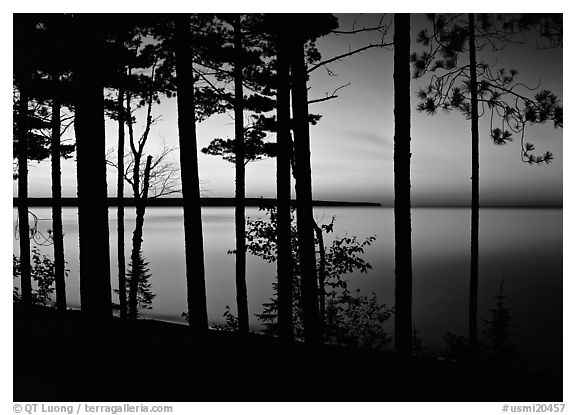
263	201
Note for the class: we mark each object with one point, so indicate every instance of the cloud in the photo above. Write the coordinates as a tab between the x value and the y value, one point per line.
351	146
369	138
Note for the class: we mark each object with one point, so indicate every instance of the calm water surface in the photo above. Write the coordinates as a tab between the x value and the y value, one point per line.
524	246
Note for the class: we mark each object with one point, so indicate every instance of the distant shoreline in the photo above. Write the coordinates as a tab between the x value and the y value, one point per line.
258	202
177	202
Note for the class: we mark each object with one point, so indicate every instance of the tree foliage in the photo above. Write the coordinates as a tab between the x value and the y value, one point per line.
43	275
497	347
352	319
49	66
511	105
255	148
145	294
498	332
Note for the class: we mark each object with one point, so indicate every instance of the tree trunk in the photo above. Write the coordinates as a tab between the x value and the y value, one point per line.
95	290
22	75
120	196
283	193
135	151
402	219
193	239
473	302
137	244
321	275
241	291
57	231
305	216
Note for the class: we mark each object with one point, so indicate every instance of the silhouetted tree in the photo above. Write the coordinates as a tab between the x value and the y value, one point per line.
284	42
58	79
231	322
137	267
40	65
240	210
548	26
56	65
121	42
139	84
95	289
39	131
303	174
418	350
42	272
207	49
143	292
351	319
283	187
120	196
260	41
49	91
498	332
305	58
255	148
57	230
22	74
321	275
309	288
496	90
157	178
194	246
124	37
402	206
49	96
475	204
249	71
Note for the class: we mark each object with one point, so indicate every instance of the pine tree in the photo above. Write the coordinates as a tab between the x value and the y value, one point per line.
194	245
22	74
95	286
283	187
135	276
402	205
246	59
498	332
465	88
139	275
50	93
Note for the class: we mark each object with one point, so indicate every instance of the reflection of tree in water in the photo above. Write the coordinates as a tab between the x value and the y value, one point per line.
351	318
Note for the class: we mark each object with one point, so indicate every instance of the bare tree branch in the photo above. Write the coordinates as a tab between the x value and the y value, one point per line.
382	28
350	53
329	97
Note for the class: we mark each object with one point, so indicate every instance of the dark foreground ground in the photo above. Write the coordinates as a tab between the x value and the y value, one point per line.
65	357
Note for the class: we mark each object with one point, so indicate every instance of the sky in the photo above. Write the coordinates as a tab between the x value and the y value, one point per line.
352	145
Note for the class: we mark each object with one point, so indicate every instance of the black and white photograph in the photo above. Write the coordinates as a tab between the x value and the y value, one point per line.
287	207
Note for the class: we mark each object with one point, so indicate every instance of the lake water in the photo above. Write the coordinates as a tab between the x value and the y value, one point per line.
524	246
